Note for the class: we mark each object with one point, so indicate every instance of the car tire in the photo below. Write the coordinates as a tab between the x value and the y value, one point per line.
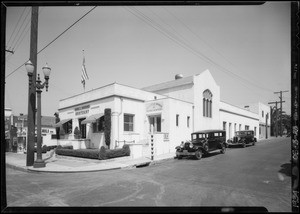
253	144
244	145
179	157
198	154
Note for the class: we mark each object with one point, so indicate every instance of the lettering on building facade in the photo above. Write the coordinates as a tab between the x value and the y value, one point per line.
82	110
157	106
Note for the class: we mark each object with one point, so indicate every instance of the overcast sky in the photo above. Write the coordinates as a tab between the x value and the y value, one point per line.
246	48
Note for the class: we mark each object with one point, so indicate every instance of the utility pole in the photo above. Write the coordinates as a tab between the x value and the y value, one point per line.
32	89
280	97
276	120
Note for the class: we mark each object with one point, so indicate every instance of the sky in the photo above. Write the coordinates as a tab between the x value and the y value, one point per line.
246	49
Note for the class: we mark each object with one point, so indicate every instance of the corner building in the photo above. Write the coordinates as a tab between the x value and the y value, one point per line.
166	113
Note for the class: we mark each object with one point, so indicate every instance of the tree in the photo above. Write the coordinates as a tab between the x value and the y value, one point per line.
77	133
57	119
107	126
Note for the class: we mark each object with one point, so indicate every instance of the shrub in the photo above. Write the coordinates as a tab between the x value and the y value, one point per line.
114	153
107	125
102	153
51	147
64	147
82	153
77	133
44	149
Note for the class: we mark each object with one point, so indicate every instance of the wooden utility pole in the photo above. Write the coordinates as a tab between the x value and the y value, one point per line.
276	120
31	90
280	97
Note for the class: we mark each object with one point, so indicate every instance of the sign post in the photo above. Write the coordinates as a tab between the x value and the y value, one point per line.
152	143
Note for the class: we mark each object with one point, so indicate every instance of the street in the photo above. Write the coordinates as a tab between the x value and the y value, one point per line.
253	176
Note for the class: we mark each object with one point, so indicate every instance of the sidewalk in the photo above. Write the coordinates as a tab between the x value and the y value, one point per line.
65	164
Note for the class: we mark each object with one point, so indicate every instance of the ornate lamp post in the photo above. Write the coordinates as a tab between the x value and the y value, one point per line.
39	162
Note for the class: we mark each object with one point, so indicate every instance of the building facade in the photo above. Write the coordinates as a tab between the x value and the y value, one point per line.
165	113
16	131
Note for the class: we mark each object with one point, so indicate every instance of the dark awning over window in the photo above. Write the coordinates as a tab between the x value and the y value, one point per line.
61	122
92	118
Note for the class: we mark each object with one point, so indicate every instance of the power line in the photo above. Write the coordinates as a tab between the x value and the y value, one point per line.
183	44
16	25
53	40
20	28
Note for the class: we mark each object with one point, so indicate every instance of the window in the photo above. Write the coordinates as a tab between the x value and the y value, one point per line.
217	134
67	127
188	121
240	127
224	126
82	128
207	103
177	119
255	131
98	126
246	127
262	113
128	122
260	130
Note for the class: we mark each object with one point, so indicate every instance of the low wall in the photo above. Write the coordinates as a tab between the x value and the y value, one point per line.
136	150
76	143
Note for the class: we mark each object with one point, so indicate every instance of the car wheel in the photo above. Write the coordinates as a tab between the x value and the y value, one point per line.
243	144
253	144
179	156
223	149
198	154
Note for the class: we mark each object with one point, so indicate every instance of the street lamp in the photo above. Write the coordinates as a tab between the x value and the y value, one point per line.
39	86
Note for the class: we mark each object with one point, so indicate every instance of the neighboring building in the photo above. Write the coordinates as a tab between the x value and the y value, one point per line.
16	131
264	113
174	109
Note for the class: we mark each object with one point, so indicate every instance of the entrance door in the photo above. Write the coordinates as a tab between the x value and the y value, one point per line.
82	128
155	120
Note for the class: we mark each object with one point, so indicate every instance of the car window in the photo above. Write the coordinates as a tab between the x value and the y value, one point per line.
194	136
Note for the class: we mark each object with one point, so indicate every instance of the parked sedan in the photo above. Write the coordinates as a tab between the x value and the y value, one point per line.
242	138
202	142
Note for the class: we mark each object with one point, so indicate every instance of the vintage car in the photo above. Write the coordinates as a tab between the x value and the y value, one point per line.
242	138
202	142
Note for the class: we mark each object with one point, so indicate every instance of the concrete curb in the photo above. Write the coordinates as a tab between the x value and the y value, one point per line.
20	168
71	171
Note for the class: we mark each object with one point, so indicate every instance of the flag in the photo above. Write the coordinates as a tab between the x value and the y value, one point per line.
84	75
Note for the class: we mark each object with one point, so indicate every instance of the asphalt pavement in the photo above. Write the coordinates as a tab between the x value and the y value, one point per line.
64	164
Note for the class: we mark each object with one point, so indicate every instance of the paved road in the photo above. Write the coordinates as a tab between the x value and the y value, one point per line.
253	176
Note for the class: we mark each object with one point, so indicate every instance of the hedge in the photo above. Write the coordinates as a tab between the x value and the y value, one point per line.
101	154
64	147
82	153
44	149
114	153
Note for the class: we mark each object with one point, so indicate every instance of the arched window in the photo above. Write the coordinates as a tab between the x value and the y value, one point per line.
207	103
204	105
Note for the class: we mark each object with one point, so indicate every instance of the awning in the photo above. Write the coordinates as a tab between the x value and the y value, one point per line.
61	122
92	118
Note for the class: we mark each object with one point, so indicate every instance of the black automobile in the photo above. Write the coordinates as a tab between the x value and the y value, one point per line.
202	142
243	138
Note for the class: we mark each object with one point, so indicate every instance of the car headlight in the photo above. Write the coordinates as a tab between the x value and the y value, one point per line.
191	145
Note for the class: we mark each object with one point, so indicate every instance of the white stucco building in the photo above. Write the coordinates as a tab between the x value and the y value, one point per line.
175	109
